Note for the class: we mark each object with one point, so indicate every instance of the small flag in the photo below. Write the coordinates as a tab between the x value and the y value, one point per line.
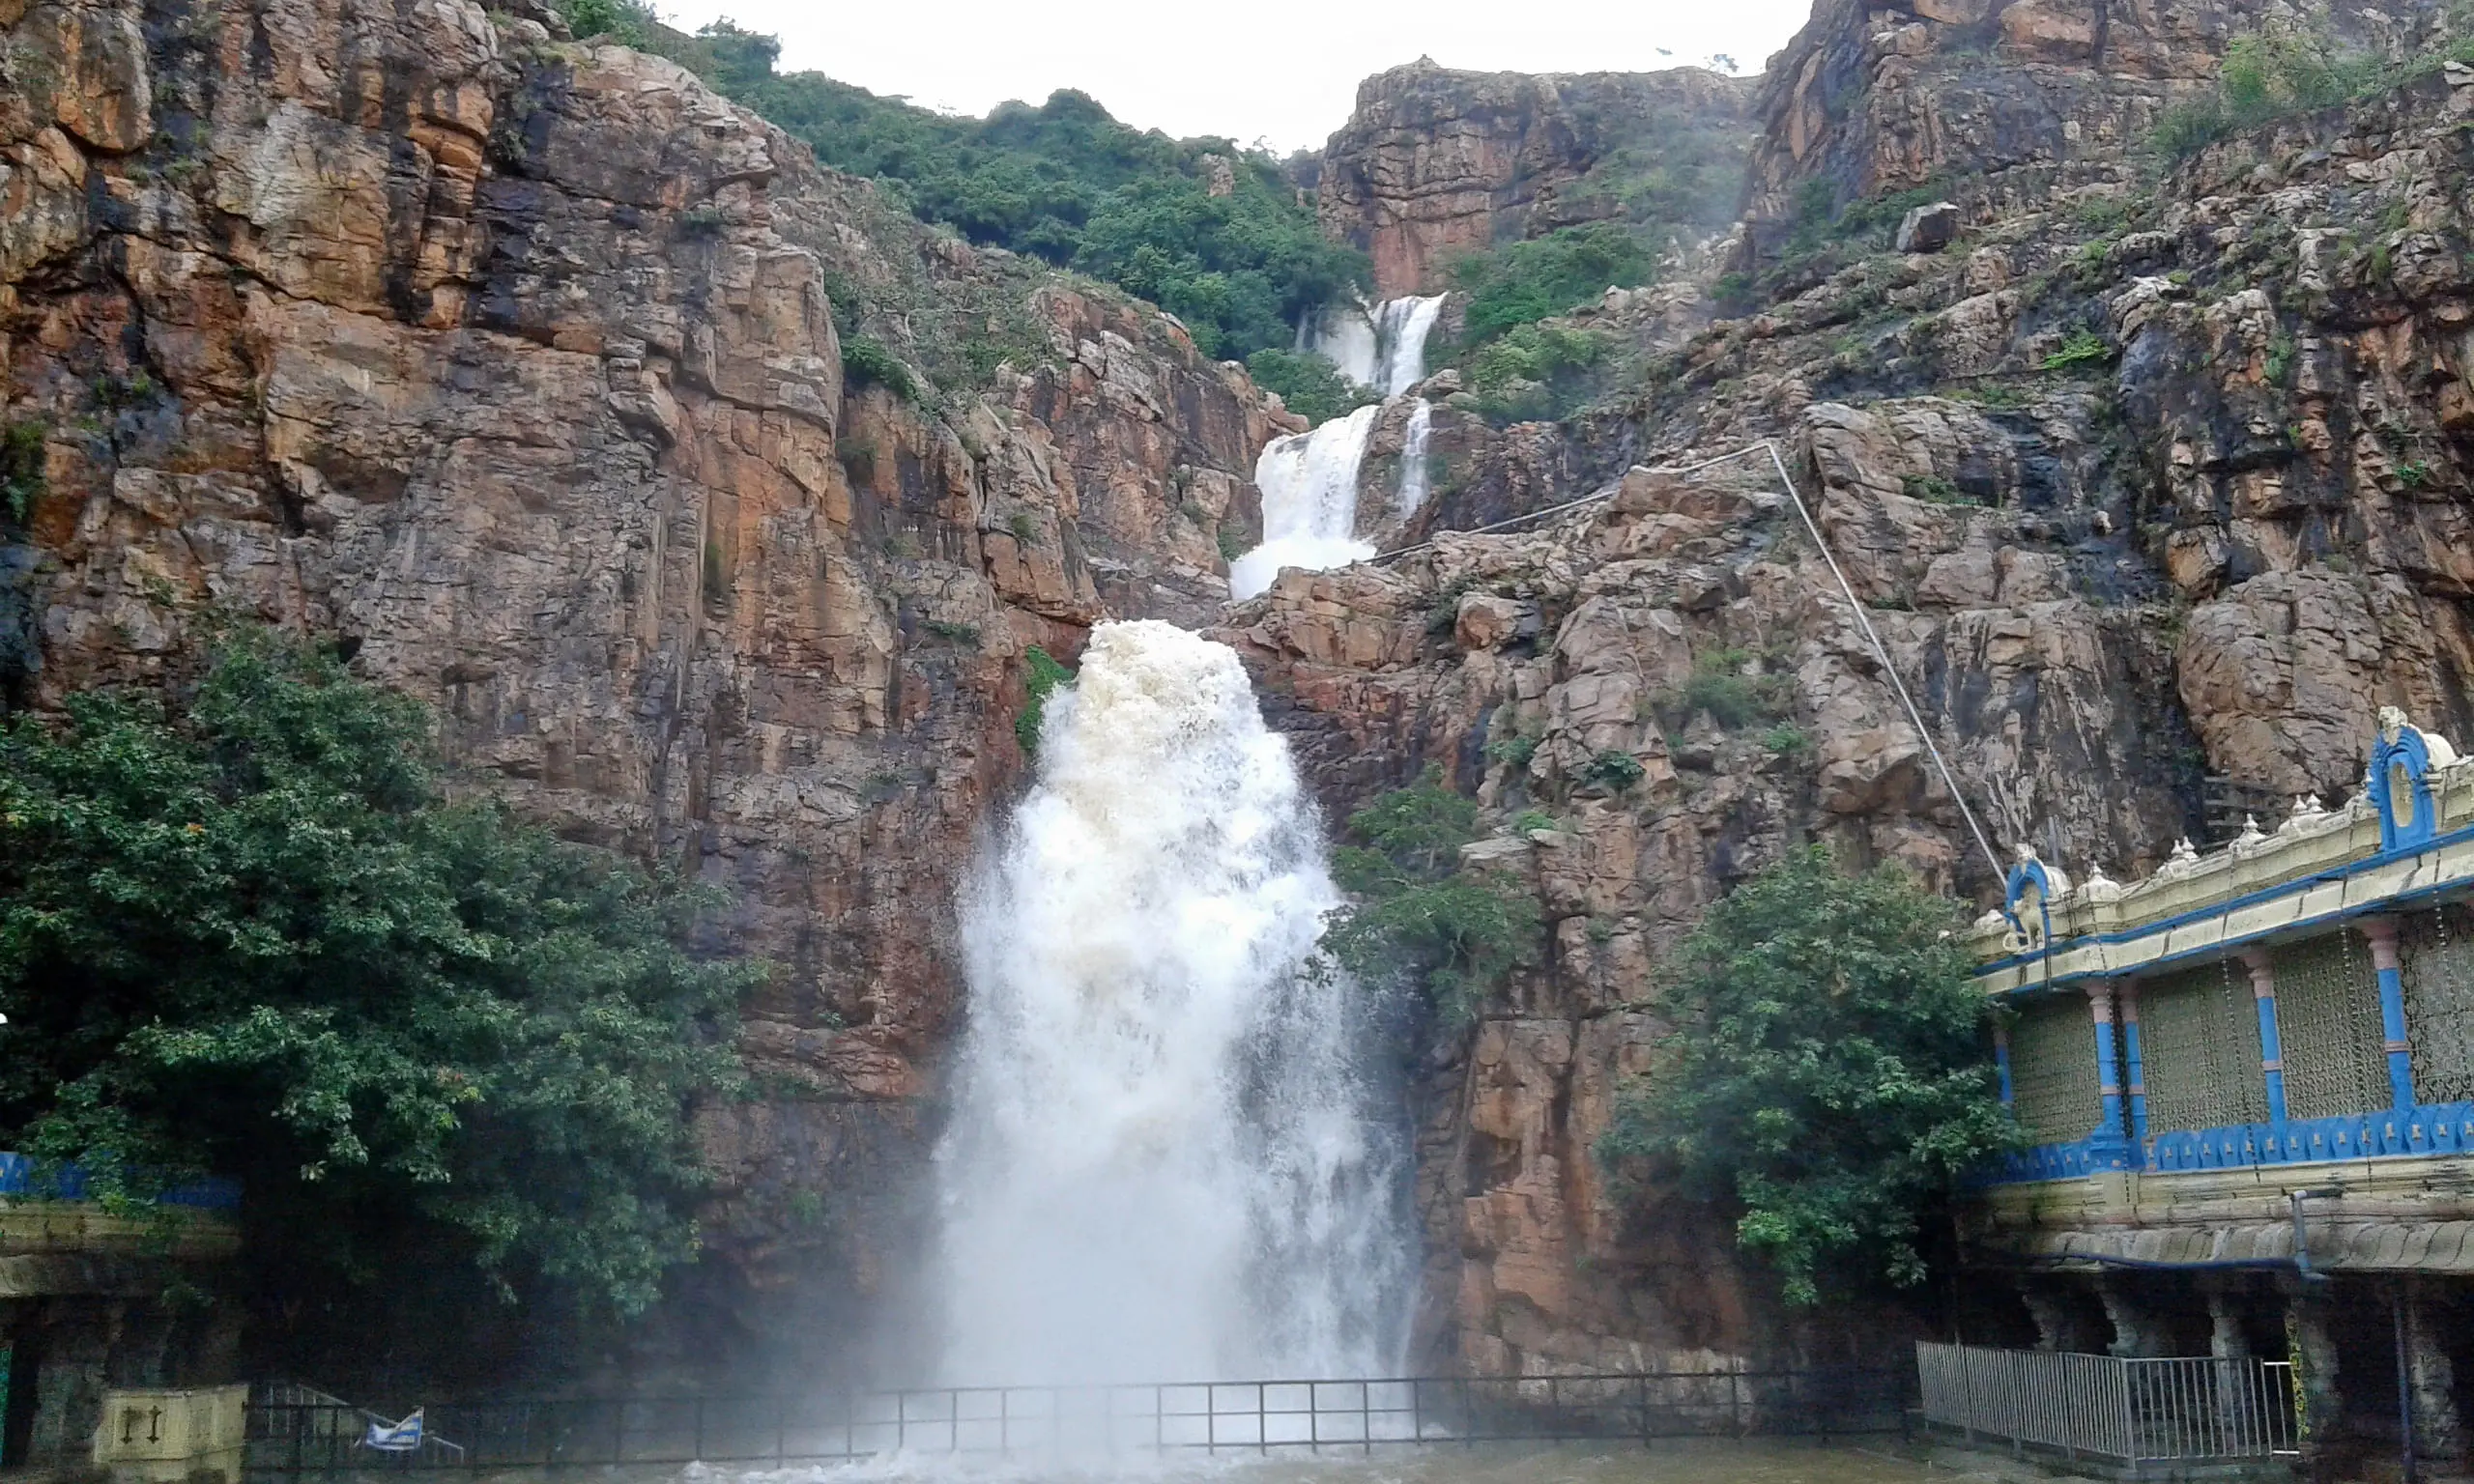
403	1437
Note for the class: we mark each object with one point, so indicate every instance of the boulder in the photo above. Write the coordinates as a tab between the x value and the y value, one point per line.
1929	228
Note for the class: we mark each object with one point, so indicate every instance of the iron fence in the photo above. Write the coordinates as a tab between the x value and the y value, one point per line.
290	1434
2125	1410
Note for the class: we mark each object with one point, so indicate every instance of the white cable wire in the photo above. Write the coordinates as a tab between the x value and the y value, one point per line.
1856	605
1882	652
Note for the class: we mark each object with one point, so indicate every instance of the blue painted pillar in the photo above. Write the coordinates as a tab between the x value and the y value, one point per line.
2264	989
2132	1074
2001	1063
2382	933
2109	1088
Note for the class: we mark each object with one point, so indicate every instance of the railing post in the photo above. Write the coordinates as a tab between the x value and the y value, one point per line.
2130	1421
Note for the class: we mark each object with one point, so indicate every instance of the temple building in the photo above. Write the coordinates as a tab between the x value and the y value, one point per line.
2250	1080
95	1297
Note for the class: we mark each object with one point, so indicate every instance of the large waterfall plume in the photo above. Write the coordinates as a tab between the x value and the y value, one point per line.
1168	1159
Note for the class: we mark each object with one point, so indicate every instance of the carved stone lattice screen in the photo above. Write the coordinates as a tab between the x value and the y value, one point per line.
2328	1020
2199	1050
2438	953
2053	1068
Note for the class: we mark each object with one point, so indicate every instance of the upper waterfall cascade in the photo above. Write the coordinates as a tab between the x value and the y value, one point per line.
1166	1158
1309	480
1383	348
1309	502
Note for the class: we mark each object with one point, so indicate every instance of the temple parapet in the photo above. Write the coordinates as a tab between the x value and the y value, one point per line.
2249	1082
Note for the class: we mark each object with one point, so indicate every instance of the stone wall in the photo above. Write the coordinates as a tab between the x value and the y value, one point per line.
513	366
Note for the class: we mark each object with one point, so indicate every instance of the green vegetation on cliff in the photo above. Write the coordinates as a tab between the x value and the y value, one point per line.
1418	911
1828	1077
2281	70
243	932
1521	283
1311	387
1210	232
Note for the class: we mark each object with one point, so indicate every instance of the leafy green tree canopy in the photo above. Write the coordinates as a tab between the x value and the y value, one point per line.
1829	1076
1311	387
1063	181
1521	283
245	934
1418	912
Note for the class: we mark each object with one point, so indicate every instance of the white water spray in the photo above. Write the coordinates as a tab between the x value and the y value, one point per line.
1165	1162
1309	480
1413	460
1309	502
1384	348
1402	327
1344	336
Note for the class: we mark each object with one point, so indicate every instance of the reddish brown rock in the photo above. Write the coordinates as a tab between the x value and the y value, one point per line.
513	366
1434	162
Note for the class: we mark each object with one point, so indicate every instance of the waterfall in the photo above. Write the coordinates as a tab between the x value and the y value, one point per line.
1309	502
1413	459
1345	335
1384	349
1400	328
1165	1160
1309	480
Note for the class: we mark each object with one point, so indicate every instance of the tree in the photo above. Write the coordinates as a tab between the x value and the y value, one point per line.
1829	1076
1063	181
244	934
1453	932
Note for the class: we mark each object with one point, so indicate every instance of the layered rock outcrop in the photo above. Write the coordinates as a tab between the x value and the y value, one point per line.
1882	97
1434	162
711	503
2153	492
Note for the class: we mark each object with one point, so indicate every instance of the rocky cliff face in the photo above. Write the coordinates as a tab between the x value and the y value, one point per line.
2144	483
512	365
1434	163
713	503
2007	97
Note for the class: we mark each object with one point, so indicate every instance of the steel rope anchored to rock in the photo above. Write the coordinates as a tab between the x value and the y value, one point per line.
1855	604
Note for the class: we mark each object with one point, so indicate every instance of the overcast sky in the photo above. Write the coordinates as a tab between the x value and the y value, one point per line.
1283	70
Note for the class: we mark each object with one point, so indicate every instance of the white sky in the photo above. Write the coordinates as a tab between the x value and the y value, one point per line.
1285	70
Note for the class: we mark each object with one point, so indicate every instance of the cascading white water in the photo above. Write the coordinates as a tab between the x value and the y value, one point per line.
1402	327
1344	336
1165	1160
1384	349
1413	459
1309	502
1309	480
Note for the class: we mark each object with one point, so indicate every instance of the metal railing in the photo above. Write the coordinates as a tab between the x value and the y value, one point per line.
289	1435
2129	1410
329	1426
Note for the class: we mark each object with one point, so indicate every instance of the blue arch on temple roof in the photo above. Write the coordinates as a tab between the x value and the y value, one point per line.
2388	755
2030	872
